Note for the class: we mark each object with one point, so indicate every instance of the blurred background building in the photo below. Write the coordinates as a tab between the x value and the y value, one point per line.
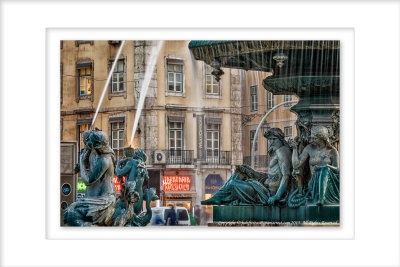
193	128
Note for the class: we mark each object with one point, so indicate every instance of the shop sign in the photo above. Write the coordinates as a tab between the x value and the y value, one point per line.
200	137
213	183
80	186
176	183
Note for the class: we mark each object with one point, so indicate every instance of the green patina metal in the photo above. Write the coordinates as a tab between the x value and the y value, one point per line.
201	43
100	206
310	213
259	54
296	84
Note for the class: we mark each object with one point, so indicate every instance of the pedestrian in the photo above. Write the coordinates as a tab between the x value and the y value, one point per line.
158	220
197	214
171	216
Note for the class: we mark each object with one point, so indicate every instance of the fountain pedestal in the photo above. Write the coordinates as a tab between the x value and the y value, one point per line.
319	102
308	213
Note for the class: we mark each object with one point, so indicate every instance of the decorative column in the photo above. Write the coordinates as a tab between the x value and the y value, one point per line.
148	122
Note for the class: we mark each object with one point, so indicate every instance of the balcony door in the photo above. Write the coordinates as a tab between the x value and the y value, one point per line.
175	132
212	144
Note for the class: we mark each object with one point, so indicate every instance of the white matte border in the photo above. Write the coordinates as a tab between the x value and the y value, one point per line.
346	229
23	121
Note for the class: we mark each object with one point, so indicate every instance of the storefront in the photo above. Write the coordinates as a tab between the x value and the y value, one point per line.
178	189
213	183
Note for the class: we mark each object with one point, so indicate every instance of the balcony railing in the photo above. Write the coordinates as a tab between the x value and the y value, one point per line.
218	158
260	161
179	157
184	157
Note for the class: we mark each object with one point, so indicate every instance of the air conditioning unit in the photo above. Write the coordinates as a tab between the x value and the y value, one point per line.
160	157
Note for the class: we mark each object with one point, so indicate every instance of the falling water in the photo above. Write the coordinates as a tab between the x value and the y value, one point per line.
145	85
107	82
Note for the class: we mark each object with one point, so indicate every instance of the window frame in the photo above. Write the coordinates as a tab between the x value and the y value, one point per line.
84	64
213	149
287	98
120	120
253	105
110	86
206	75
79	133
182	139
291	131
174	61
270	99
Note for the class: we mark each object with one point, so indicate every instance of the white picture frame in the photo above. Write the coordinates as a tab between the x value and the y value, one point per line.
369	232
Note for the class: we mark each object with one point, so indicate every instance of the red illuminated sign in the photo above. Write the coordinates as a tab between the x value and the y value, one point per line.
176	183
117	183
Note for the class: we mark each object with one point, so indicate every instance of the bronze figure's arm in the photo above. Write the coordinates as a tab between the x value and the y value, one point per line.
125	170
297	160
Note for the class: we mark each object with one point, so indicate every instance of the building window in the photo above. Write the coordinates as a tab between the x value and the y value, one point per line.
288	131
270	100
117	135
252	135
118	77
254	98
287	98
79	42
175	76
212	85
82	129
212	140
85	79
175	132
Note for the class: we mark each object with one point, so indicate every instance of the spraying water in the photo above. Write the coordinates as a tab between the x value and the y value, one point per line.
145	85
107	82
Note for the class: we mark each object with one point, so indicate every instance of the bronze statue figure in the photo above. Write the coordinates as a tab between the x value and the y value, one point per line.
323	160
249	187
97	161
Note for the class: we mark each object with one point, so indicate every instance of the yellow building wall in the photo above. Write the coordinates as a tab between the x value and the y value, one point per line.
100	53
279	118
194	96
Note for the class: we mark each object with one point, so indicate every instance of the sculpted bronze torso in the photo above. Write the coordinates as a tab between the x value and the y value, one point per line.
323	159
249	187
101	166
98	205
133	167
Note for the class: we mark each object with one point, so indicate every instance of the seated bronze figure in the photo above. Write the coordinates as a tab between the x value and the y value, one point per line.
249	187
